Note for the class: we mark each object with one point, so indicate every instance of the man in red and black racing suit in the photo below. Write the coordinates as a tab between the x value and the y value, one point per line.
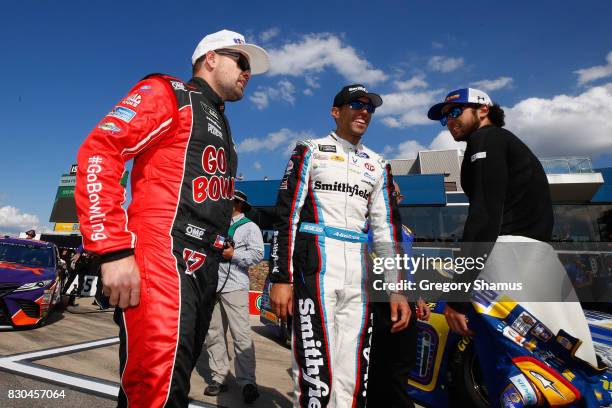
160	260
333	188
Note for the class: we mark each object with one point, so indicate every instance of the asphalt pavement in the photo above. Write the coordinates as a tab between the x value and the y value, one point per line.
72	362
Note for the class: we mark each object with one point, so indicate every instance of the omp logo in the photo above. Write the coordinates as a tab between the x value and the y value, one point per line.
314	359
194	231
193	260
358	88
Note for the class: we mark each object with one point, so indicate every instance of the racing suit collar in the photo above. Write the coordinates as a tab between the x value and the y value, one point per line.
346	143
237	217
208	92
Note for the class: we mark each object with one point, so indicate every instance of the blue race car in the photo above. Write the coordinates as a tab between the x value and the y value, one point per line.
447	371
30	282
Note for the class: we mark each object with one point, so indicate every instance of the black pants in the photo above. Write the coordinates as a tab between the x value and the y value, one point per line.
391	358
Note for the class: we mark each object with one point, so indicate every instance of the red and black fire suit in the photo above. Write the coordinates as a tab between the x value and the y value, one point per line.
182	190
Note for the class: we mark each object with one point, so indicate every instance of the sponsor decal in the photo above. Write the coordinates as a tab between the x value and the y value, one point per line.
327	148
179	86
512	335
368	182
565	342
145	88
109	127
93	187
541	332
210	111
313	363
193	260
452	97
510	398
358	88
214	131
194	231
289	168
337	158
361	154
238	41
319	165
122	113
369	176
132	100
523	323
283	185
479	155
318	156
274	252
524	387
369	166
214	161
353	190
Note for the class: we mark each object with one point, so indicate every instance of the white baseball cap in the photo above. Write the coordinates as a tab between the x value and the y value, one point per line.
258	57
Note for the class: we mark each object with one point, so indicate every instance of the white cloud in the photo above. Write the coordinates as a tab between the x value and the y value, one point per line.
269	34
12	217
257	165
284	90
409	149
594	73
493	84
407	108
417	81
565	125
316	52
308	92
444	64
437	45
284	139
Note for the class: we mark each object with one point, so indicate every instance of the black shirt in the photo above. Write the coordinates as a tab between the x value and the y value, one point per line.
507	188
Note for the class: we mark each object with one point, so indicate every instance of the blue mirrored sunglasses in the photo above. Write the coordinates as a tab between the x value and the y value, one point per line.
453	113
358	105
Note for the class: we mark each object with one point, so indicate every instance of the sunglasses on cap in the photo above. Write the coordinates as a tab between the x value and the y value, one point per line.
358	105
241	59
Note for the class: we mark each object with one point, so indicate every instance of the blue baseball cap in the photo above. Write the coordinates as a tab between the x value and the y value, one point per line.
459	96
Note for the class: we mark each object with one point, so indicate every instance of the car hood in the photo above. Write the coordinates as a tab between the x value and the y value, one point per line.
10	272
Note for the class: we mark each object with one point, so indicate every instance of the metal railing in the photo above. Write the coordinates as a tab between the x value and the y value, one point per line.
567	165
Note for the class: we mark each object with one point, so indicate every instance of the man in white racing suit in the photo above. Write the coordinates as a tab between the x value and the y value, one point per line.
332	189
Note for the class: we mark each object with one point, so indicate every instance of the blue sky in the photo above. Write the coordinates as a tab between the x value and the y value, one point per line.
65	64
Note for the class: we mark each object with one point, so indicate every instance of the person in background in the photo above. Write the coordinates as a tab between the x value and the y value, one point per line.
232	307
393	354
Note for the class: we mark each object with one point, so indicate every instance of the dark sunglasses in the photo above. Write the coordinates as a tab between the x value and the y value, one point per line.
455	112
358	105
397	194
241	60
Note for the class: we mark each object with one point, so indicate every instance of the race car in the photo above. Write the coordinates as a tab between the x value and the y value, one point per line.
447	371
30	282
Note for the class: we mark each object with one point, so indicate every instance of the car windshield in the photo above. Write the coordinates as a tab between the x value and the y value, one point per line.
30	255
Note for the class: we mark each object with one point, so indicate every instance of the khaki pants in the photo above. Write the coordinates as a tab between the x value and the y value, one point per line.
232	310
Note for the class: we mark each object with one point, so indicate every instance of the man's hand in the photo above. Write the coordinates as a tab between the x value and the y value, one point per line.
422	310
228	253
400	312
457	322
281	297
121	282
